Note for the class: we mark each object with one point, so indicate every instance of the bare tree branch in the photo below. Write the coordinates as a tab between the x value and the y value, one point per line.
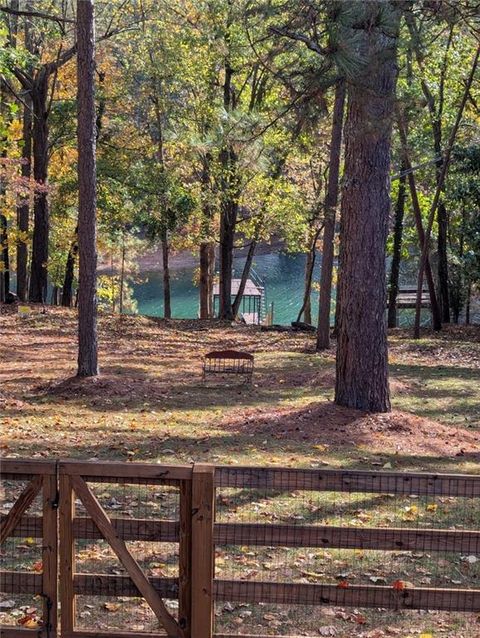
311	44
37	14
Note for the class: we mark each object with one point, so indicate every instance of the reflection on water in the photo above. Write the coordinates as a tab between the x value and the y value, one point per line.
282	274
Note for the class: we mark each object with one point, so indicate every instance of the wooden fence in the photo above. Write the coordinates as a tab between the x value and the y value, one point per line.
64	486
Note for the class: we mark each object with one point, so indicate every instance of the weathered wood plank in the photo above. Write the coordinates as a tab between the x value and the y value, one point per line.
50	554
67	554
26	467
127	529
20	582
354	595
135	472
22	503
426	540
28	526
185	559
203	509
109	585
252	636
349	481
18	632
130	529
112	634
103	523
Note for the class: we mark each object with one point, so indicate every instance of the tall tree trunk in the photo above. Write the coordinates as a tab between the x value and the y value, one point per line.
228	221
306	308
442	221
229	187
207	248
397	250
167	310
4	259
307	301
362	355
4	255
438	191
207	265
417	212
41	222
87	196
67	290
244	278
23	208
122	275
54	298
436	108
331	200
467	303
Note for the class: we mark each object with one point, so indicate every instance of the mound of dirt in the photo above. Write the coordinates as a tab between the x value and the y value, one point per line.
331	425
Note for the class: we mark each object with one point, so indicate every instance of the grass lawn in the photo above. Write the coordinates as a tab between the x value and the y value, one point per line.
149	404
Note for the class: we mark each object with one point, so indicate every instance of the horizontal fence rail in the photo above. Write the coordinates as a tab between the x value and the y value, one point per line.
102	513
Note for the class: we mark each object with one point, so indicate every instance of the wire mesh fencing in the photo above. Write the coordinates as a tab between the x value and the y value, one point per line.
28	550
298	552
207	552
146	518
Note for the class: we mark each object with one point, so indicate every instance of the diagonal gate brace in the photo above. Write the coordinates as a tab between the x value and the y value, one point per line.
134	570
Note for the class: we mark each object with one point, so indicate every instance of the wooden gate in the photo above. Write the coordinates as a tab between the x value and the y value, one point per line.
76	481
76	504
32	516
70	510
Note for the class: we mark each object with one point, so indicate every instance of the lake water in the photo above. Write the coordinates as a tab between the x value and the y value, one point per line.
282	274
283	277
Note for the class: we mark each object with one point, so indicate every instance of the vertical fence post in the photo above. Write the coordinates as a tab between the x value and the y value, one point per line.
67	555
49	553
203	511
185	559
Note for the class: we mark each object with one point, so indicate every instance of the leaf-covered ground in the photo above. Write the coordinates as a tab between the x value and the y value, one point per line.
150	404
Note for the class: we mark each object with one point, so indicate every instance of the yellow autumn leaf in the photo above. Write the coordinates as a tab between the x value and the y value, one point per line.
431	507
411	513
31	623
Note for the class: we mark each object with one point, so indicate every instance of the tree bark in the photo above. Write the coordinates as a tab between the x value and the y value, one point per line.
467	303
207	265
362	356
207	248
122	274
438	191
417	212
87	231
67	290
55	296
229	195
244	277
306	308
41	214
167	310
442	221
23	208
331	201
397	251
228	221
4	260
436	108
